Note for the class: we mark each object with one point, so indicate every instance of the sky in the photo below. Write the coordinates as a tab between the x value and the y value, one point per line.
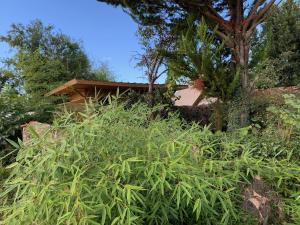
106	33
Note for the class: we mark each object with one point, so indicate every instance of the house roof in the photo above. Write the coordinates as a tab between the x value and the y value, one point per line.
104	85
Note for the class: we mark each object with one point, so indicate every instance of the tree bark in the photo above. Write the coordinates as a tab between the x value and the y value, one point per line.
219	115
151	93
241	52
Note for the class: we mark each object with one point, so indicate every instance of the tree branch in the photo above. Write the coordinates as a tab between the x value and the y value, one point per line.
253	9
164	71
258	17
211	14
225	38
158	64
206	10
239	13
261	13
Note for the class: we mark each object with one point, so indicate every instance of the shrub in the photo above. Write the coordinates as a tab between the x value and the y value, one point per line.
289	116
260	102
112	165
276	125
16	110
265	74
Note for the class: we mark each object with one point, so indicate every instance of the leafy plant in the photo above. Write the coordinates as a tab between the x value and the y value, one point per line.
288	117
43	58
200	55
113	165
276	54
103	72
16	110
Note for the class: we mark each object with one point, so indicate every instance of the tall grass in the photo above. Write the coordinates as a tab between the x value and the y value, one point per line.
111	165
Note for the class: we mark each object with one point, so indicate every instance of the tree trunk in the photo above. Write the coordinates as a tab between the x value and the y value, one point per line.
219	115
151	93
241	52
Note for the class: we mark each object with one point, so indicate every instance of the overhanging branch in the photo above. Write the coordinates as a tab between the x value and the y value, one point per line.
257	18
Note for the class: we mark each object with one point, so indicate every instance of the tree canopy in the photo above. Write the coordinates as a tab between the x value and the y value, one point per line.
232	18
103	72
276	54
198	55
43	58
234	22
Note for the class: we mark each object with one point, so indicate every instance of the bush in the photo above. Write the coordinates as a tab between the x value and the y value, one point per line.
112	165
275	119
260	102
265	74
289	116
16	110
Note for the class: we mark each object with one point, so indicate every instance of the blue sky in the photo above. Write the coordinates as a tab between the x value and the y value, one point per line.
107	33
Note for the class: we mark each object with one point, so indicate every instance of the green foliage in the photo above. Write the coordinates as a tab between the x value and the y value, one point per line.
275	125
234	109
115	166
13	104
43	58
260	102
103	72
13	109
17	109
276	53
160	97
265	74
200	55
288	117
280	137
266	108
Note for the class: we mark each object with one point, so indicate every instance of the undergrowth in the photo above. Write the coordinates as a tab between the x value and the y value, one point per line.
114	165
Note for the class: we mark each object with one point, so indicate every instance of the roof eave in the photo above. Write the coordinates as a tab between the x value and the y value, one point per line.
62	88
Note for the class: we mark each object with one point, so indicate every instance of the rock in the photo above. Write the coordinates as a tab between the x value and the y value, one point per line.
259	199
40	128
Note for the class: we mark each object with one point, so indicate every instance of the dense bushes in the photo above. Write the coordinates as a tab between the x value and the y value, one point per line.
115	166
16	110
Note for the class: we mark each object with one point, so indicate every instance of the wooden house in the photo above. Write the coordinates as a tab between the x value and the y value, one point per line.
77	91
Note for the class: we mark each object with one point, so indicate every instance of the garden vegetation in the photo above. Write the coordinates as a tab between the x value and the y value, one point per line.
114	165
122	161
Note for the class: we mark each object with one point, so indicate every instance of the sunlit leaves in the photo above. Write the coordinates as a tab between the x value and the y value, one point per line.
114	166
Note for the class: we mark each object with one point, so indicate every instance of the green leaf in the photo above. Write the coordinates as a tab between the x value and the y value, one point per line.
14	144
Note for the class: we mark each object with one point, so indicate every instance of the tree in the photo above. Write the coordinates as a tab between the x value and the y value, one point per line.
103	72
200	56
44	58
155	42
277	49
236	21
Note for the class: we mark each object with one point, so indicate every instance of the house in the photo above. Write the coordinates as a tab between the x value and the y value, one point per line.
192	95
188	98
77	91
